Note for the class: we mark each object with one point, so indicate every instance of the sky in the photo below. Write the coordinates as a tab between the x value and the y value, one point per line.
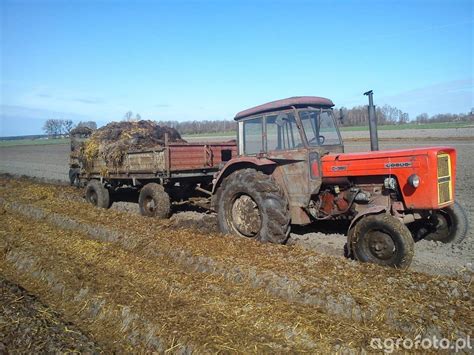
197	60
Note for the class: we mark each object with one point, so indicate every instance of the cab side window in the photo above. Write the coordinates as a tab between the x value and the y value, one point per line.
282	132
253	136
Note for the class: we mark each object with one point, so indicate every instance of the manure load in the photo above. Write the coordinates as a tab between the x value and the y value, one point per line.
136	153
108	147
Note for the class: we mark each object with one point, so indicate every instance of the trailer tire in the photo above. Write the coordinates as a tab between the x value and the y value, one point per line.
97	194
154	201
382	239
452	225
74	177
250	204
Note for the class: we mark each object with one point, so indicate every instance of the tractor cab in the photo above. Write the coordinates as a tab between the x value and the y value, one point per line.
293	124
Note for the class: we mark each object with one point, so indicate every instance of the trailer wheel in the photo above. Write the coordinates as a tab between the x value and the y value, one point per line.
97	194
382	239
452	225
250	204
74	177
154	201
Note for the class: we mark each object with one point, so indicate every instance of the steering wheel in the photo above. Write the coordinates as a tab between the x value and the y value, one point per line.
320	139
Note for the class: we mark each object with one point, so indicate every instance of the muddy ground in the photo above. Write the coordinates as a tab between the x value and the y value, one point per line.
114	280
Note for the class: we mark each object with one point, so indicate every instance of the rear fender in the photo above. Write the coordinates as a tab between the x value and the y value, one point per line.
238	164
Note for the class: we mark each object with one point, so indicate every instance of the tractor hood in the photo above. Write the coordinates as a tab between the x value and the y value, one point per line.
365	160
435	166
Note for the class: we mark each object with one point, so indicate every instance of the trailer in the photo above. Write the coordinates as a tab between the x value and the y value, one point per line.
164	174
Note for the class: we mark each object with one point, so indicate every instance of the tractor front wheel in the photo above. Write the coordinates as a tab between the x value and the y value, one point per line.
382	239
451	225
250	204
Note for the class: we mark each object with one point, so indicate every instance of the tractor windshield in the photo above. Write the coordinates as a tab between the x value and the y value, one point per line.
319	127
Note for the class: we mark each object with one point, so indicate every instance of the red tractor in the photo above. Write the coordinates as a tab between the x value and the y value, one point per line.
291	169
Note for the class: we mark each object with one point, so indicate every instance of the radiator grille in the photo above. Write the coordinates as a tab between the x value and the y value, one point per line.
443	165
444	179
444	193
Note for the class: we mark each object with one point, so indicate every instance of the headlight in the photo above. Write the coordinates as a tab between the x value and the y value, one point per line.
414	180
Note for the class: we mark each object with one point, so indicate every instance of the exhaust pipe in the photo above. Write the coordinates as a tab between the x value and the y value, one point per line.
374	139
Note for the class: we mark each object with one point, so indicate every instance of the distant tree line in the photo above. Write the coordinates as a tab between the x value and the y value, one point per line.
389	115
59	127
359	115
445	117
356	116
197	127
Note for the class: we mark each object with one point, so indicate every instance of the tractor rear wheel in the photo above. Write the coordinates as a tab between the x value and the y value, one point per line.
451	226
154	201
97	194
382	239
250	204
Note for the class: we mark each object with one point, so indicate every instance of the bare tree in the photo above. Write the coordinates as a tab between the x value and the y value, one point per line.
67	126
138	117
403	117
53	127
48	127
128	116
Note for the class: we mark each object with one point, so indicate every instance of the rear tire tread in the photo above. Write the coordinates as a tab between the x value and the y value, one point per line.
268	196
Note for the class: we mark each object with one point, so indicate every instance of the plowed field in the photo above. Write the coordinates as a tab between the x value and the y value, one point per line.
115	281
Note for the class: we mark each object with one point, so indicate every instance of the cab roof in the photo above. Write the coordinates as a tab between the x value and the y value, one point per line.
297	101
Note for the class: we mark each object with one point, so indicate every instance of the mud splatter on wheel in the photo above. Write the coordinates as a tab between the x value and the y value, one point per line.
97	194
154	201
382	239
451	226
250	204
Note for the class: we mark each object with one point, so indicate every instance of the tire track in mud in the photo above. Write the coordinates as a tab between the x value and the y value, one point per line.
290	288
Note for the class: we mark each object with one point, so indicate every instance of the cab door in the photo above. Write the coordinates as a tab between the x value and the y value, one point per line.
283	143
